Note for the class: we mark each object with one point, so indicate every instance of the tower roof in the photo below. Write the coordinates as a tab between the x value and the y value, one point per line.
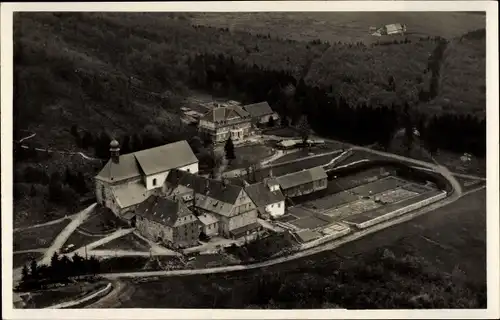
114	144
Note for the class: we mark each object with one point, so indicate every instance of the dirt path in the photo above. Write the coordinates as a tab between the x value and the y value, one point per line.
126	253
43	224
155	248
40	250
117	234
62	152
78	219
328	246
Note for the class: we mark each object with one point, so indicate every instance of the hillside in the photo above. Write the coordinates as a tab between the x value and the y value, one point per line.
341	26
82	78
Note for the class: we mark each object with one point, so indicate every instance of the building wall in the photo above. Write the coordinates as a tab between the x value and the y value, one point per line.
162	176
188	232
211	229
221	132
105	196
153	230
276	209
306	188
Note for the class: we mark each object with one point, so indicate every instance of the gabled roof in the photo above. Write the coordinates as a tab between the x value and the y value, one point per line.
224	113
227	193
301	177
262	196
207	219
149	161
130	194
127	168
259	109
166	157
163	210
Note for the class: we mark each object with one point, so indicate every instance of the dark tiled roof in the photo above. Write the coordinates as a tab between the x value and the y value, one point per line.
149	161
162	210
215	189
262	196
225	113
302	177
259	109
239	232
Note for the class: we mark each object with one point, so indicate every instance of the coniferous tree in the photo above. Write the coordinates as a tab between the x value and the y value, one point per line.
229	149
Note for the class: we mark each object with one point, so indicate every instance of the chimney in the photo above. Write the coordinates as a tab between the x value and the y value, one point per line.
114	151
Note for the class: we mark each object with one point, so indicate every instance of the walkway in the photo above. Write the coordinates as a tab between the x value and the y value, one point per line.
43	224
117	234
61	239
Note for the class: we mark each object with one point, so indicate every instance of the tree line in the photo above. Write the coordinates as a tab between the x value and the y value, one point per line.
332	115
61	270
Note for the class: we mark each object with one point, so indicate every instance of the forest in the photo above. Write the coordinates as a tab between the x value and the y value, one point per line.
81	79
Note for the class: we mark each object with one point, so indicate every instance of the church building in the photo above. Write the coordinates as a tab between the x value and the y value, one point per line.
128	180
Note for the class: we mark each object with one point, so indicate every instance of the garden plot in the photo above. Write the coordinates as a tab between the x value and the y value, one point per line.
353	208
378	186
396	195
309	223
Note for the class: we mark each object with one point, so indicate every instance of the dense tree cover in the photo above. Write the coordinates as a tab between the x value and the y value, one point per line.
334	116
60	270
121	67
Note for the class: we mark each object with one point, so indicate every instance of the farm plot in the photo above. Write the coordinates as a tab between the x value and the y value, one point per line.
383	210
35	238
102	222
287	218
378	186
353	208
396	195
309	223
129	242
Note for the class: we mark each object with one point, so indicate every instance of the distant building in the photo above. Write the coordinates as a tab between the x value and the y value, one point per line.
168	221
389	29
220	123
303	182
261	112
129	179
268	198
230	205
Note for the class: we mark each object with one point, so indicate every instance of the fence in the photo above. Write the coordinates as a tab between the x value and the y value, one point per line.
402	211
325	239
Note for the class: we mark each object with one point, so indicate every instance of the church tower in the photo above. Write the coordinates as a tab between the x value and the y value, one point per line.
114	151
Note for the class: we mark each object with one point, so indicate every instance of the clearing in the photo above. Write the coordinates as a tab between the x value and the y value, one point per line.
129	242
341	26
249	155
35	238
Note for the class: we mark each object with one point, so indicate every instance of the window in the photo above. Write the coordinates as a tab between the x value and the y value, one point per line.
279	204
154	182
188	170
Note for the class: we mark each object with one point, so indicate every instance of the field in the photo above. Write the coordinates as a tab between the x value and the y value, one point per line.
79	239
40	237
20	259
465	58
340	26
102	222
449	245
303	153
129	242
249	155
382	210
